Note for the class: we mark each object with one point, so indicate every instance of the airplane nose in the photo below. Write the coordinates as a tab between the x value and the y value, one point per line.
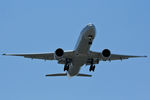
91	26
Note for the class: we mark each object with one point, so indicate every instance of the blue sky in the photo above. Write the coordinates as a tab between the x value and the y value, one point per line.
36	26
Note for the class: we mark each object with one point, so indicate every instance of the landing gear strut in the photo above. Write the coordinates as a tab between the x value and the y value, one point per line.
92	67
66	67
90	42
90	39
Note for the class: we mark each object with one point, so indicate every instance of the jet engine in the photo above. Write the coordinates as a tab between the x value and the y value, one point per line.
59	52
106	53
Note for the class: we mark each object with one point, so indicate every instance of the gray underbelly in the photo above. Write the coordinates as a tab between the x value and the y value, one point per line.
74	70
77	63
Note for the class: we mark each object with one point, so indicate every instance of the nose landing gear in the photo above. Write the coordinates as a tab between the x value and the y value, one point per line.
90	39
90	42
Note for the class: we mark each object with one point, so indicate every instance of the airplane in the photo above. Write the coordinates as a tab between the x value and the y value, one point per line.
82	55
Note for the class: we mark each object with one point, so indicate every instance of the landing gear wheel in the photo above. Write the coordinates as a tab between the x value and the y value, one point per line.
66	67
67	64
90	43
92	68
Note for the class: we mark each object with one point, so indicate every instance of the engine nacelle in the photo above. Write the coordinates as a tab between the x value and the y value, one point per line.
106	53
59	52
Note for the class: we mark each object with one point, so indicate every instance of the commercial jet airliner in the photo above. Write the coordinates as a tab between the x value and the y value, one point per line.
81	55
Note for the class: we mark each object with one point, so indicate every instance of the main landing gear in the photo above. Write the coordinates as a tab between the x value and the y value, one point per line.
92	67
66	67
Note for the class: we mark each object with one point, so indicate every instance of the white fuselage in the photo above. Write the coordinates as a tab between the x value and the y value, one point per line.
82	49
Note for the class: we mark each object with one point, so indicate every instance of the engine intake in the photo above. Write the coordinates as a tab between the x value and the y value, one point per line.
59	52
106	53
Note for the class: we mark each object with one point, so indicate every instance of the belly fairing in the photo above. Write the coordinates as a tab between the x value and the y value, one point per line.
77	62
74	70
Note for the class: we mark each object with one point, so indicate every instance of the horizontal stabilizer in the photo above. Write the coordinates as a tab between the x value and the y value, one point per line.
84	75
59	74
65	74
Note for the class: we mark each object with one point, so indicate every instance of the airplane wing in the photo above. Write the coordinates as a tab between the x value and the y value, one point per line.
97	56
44	56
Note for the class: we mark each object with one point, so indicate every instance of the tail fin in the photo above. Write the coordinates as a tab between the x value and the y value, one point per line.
65	74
